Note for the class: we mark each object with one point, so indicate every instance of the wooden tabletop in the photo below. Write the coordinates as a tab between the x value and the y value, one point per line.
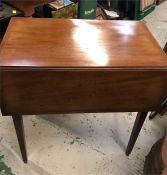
66	43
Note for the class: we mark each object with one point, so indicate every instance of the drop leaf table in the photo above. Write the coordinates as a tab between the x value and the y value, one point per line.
50	66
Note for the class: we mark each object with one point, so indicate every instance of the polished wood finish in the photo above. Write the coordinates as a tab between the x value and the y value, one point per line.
62	43
163	108
65	66
77	91
140	118
19	127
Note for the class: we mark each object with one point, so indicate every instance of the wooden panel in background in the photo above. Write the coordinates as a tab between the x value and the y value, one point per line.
27	6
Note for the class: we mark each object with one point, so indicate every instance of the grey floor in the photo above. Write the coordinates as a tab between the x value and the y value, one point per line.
83	144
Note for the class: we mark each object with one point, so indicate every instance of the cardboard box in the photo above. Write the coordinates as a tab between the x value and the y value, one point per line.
65	12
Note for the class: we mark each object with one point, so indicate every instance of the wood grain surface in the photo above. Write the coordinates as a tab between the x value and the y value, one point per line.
62	43
64	66
48	91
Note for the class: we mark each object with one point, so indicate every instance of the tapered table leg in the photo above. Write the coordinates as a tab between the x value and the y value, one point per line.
141	116
19	127
153	114
161	110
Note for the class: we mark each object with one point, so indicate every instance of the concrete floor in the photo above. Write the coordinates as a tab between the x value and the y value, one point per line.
84	144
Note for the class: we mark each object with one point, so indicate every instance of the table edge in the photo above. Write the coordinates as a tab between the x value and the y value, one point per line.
39	68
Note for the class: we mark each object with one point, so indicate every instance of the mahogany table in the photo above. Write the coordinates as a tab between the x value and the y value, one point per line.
68	66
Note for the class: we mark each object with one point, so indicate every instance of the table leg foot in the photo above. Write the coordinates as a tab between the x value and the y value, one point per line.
141	116
19	127
152	115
